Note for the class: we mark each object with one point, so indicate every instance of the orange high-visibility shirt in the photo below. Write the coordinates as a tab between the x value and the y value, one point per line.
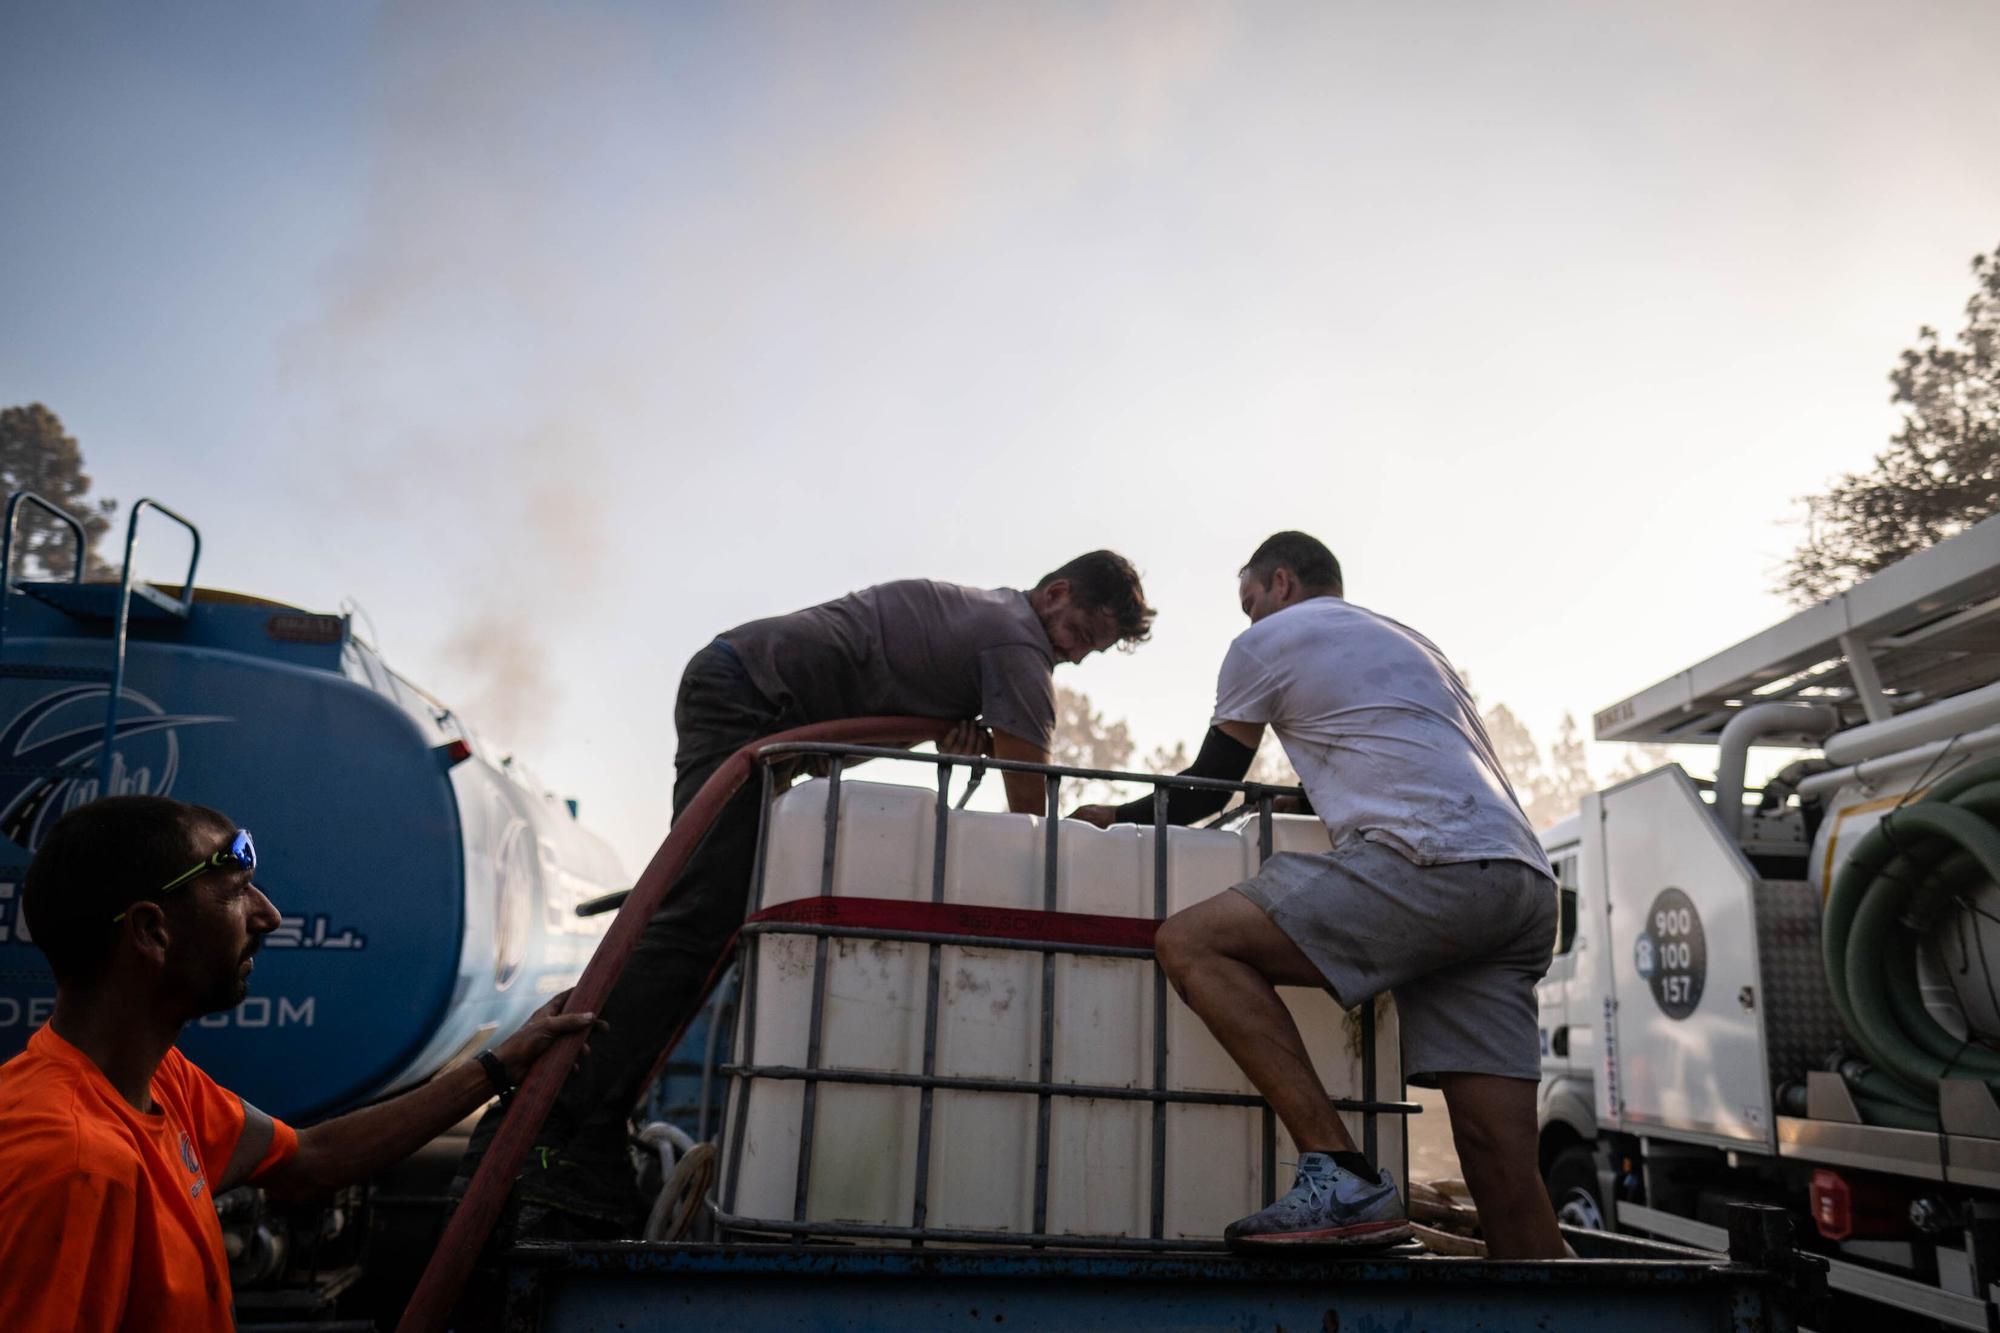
107	1215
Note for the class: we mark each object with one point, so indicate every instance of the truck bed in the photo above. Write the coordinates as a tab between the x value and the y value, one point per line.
1631	1285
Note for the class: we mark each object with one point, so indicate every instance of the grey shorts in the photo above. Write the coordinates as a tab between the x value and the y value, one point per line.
1460	945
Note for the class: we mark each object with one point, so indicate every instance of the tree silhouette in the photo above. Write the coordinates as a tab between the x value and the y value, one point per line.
37	455
1566	776
1084	739
1520	758
1941	471
1639	759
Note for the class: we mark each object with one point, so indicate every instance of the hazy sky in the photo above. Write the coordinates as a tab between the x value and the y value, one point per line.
563	337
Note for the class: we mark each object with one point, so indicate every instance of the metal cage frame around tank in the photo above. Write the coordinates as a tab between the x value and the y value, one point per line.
1044	1088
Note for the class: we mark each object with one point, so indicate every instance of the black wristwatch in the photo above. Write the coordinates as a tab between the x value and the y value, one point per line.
496	1074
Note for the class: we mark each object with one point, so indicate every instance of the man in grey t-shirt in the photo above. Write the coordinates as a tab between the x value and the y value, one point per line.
926	650
979	657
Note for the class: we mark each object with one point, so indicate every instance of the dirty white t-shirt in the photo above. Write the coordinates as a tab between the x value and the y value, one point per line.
1381	730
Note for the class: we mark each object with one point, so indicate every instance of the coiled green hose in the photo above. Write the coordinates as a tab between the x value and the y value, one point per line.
1903	875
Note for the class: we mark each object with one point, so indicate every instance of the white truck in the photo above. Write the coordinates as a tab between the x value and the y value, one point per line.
1793	995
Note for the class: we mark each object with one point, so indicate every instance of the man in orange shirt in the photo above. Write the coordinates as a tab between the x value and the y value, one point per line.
113	1145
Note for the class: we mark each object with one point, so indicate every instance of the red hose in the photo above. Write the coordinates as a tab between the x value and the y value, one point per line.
465	1235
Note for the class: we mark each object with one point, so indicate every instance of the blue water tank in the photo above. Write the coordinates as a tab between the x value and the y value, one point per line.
428	888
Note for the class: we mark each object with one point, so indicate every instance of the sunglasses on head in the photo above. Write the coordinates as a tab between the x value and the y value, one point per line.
240	854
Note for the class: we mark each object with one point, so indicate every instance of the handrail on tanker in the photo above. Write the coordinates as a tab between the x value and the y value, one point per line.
77	537
465	1235
122	623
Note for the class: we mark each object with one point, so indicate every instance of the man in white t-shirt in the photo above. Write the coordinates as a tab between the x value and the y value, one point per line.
1435	890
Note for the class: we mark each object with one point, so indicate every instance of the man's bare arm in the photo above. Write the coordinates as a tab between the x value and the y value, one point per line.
357	1145
1027	794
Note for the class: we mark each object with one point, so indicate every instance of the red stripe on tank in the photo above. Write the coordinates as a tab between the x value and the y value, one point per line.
1123	932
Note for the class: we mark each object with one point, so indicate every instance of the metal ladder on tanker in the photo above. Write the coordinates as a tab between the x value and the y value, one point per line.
92	603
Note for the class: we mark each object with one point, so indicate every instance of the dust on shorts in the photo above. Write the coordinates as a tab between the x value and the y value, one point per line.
1460	945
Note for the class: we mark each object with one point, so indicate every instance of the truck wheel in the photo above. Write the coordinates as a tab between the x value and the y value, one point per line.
1572	1182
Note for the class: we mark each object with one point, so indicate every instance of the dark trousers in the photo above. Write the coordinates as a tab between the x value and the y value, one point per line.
580	1163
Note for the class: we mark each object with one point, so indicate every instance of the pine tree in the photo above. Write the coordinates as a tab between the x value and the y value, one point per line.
1514	745
37	455
1085	739
1939	475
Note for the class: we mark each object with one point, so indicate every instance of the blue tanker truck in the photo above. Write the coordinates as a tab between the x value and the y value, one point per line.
428	885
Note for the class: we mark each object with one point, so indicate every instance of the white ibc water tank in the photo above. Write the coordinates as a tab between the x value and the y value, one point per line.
983	1146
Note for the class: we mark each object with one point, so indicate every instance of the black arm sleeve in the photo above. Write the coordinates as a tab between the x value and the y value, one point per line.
1222	757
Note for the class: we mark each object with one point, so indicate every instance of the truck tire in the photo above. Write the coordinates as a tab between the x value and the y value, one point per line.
1572	1184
